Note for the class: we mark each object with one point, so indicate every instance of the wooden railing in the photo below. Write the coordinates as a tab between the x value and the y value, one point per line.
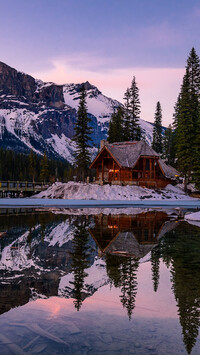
22	186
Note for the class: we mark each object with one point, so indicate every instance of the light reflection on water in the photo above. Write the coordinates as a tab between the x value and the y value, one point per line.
99	284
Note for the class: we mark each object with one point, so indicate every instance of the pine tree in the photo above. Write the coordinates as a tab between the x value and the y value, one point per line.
185	131
157	130
187	121
82	135
196	166
127	115
169	146
80	260
185	277
193	68
32	165
135	130
44	172
155	267
129	284
115	131
176	115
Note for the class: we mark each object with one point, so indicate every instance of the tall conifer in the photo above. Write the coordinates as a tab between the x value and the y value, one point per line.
82	135
135	130
157	144
185	131
115	131
169	146
127	115
32	165
187	121
44	171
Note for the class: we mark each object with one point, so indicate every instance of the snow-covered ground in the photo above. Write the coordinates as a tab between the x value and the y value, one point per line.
83	191
193	218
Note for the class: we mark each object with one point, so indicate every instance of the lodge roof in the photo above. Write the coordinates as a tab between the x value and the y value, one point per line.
126	154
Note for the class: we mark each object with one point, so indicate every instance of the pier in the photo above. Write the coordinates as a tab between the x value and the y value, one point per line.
21	188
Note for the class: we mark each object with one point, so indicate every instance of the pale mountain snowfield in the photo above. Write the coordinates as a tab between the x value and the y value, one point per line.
18	122
83	191
101	107
98	105
63	146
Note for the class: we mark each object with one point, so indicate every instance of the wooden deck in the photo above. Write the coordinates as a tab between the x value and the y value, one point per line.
21	187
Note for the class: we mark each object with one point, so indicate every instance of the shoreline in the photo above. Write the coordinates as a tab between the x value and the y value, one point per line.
64	203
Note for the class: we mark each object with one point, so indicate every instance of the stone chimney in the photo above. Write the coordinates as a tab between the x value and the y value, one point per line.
102	143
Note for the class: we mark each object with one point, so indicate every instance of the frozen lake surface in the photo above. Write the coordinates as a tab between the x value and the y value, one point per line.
64	203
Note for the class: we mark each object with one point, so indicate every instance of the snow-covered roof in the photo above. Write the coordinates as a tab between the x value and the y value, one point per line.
168	170
126	154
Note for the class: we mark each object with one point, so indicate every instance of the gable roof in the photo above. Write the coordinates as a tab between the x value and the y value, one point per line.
126	154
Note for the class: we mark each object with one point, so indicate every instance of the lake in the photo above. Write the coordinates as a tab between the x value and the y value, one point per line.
99	282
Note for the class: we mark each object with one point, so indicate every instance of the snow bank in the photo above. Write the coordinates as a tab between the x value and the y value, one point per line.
83	191
193	218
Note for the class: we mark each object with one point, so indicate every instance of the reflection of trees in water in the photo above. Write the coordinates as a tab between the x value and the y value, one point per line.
80	260
122	273
180	250
155	267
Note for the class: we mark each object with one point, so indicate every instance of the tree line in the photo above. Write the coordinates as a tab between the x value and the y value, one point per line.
33	167
180	145
186	122
124	123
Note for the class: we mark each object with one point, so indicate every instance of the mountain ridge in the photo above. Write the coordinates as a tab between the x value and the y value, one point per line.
41	115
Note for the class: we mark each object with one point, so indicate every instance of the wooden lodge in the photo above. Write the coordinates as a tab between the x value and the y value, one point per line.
132	163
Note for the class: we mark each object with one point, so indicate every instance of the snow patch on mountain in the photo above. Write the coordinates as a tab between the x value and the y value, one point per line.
64	146
98	104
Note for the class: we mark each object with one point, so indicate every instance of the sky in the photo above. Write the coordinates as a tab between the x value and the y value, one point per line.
106	42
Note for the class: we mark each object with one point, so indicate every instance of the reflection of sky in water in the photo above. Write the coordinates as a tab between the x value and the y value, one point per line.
53	325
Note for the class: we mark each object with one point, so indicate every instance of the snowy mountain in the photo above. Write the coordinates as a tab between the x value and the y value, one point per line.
41	116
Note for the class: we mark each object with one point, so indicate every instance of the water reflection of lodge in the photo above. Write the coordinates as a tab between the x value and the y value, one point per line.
129	235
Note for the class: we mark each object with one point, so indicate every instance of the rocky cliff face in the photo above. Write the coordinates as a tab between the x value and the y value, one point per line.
41	116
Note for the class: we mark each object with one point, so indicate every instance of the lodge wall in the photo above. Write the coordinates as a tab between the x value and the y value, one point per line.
146	173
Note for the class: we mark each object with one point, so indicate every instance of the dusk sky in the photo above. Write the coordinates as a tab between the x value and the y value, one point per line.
106	42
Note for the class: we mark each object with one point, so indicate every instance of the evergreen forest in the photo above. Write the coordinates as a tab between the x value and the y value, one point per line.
33	167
